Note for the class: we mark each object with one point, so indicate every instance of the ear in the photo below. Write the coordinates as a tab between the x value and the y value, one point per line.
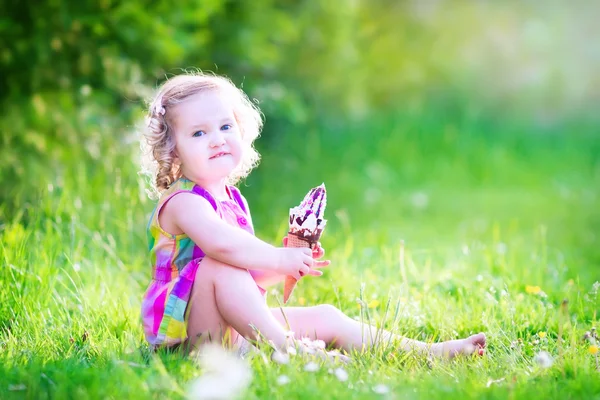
176	159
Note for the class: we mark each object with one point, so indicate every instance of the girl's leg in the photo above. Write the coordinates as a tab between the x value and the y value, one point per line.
226	298
327	323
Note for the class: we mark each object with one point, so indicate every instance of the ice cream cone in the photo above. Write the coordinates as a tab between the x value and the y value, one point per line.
306	226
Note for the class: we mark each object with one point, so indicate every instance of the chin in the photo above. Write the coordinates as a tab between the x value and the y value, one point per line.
222	173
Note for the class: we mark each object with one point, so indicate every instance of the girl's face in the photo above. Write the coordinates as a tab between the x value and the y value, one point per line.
208	143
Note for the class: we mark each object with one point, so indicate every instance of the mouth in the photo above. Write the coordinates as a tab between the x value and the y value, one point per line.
218	155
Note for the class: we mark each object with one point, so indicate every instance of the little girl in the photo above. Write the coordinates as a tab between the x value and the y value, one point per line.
209	271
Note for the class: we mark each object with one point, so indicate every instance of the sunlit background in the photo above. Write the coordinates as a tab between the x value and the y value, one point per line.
468	130
76	77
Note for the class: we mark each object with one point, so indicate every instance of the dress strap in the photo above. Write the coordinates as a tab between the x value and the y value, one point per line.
204	193
238	198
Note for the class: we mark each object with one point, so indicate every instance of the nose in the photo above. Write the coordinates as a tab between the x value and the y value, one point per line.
217	139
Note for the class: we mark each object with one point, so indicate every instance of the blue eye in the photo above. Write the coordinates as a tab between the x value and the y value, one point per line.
198	133
226	127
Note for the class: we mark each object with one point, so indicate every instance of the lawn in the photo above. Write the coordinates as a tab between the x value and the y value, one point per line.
440	226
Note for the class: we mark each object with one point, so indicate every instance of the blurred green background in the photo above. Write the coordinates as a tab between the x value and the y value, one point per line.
392	104
467	129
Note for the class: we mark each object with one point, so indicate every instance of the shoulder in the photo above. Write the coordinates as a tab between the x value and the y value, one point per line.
184	197
186	210
189	192
180	185
184	201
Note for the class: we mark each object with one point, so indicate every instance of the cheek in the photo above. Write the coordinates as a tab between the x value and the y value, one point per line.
236	143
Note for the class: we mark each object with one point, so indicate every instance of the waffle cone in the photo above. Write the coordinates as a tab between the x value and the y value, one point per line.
290	281
296	241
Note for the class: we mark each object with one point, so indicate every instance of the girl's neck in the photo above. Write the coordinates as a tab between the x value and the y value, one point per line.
218	190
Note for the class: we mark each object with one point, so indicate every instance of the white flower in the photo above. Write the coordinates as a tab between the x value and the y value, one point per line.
341	374
306	349
225	375
280	358
291	351
492	381
306	346
544	359
283	380
381	389
311	367
318	344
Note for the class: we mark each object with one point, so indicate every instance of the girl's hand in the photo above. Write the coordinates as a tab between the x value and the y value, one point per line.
317	253
296	262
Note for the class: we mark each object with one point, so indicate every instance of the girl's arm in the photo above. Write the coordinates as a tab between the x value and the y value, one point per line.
263	278
194	216
269	278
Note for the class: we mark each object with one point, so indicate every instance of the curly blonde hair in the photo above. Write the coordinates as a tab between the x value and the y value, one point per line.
160	144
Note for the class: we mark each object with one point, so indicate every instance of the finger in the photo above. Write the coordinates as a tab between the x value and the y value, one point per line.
321	264
304	270
315	272
307	259
320	248
318	252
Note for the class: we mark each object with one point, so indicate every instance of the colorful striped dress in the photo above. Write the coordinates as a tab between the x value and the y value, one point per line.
175	260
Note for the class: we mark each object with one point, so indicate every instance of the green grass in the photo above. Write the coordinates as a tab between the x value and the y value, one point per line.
484	208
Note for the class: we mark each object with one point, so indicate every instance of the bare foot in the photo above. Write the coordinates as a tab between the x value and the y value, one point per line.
452	348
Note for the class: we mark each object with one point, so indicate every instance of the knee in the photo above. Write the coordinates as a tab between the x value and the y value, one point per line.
209	264
219	271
